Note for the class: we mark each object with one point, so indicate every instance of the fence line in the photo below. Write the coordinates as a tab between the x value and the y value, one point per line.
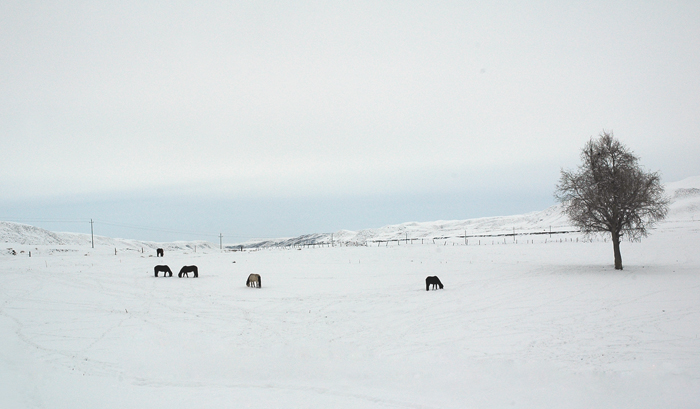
468	236
312	243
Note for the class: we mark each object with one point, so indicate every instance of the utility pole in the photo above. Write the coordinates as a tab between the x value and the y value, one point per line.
221	241
92	234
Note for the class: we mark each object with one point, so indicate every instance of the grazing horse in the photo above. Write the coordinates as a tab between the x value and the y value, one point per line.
164	269
254	281
434	281
186	270
159	252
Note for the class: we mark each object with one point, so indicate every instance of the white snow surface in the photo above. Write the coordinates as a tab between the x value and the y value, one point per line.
525	321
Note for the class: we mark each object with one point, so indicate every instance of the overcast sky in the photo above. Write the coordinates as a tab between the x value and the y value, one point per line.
270	119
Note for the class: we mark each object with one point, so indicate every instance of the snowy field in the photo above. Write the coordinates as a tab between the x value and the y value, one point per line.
526	325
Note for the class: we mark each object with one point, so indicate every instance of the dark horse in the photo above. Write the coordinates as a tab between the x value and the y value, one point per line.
159	252
254	281
186	270
434	281
164	269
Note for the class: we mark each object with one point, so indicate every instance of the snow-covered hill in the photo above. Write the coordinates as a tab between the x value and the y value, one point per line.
685	195
22	234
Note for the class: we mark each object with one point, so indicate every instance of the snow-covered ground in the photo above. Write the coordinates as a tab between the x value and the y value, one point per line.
526	321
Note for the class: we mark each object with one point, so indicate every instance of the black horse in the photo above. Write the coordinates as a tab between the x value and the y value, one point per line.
434	281
186	270
164	269
159	252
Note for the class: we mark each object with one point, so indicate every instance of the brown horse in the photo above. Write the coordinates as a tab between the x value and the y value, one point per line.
434	281
254	281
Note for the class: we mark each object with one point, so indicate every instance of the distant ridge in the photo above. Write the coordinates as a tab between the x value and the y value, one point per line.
24	234
685	196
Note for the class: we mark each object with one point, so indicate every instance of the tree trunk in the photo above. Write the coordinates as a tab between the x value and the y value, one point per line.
616	250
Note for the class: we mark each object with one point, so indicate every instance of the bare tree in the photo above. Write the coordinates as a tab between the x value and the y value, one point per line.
610	192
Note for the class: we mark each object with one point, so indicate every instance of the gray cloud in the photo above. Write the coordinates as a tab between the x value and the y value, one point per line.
325	100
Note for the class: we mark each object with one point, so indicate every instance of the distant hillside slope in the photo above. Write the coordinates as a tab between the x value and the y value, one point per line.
17	233
24	234
685	195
